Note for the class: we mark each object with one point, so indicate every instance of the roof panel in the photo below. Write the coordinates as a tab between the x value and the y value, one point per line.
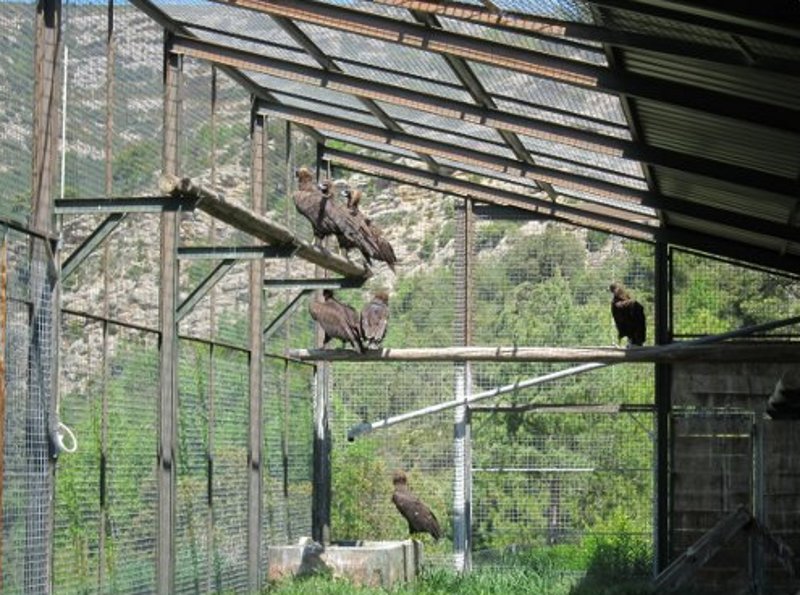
442	136
362	115
627	20
397	57
549	93
591	158
570	193
400	14
296	55
573	50
228	18
733	233
432	120
311	92
567	10
725	196
409	82
716	137
573	120
734	80
383	151
572	168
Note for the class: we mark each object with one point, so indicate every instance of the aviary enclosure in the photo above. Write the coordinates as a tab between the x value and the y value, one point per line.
163	342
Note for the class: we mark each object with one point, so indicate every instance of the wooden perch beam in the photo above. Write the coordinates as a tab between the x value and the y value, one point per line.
258	226
677	352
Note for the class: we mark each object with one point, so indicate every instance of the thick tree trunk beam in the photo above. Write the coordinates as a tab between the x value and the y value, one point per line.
258	226
784	352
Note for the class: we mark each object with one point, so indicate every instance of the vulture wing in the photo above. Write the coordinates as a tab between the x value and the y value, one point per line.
630	320
337	321
374	318
315	206
419	516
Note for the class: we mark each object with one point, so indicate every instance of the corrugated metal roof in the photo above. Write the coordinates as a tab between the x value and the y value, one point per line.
638	108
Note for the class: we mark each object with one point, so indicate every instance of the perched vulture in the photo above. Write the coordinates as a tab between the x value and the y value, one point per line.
316	203
374	317
628	316
378	247
338	320
784	402
420	518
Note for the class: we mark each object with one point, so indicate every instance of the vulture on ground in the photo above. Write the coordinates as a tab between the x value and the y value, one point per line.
378	247
374	317
419	516
338	320
628	316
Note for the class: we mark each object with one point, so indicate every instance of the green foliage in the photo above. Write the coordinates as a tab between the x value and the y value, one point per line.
136	167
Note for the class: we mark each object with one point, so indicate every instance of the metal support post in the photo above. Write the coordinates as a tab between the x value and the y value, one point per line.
663	335
462	489
168	353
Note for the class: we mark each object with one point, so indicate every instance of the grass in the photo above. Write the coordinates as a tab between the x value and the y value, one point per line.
486	581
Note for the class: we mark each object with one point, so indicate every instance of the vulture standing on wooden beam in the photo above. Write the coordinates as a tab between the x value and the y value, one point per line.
338	320
374	317
628	316
378	247
316	203
419	516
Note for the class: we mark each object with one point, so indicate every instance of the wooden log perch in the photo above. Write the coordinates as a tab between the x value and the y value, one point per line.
258	226
677	352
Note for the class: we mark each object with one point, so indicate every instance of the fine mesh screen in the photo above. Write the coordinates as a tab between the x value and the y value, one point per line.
26	330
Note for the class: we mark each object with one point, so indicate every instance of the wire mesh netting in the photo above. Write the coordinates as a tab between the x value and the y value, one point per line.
27	356
711	295
16	96
106	491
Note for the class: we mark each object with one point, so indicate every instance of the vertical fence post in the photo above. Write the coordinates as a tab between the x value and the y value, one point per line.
41	415
287	337
258	134
663	335
462	489
168	352
109	189
321	507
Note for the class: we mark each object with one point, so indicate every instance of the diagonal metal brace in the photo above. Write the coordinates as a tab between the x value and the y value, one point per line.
97	237
284	314
203	288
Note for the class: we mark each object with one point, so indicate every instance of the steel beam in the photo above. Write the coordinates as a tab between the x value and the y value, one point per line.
763	21
310	284
97	237
487	116
142	204
563	31
284	314
537	173
202	289
233	252
624	222
564	70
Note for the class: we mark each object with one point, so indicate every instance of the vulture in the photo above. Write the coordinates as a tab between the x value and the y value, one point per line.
374	317
628	315
338	320
419	516
784	402
316	203
378	247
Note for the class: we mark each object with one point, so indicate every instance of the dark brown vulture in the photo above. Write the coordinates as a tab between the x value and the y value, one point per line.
377	247
316	203
419	516
338	320
628	316
374	317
